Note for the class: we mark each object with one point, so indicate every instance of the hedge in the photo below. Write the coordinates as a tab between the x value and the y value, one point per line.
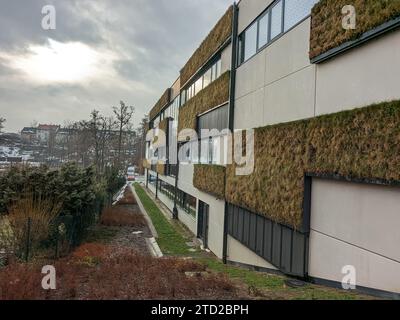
326	26
161	103
215	39
362	144
210	179
213	95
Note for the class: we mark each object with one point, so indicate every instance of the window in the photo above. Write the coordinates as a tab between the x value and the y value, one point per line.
206	78
276	20
263	31
198	85
250	45
296	11
166	189
187	202
279	17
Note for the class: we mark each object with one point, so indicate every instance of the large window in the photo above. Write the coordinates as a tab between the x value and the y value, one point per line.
187	202
278	18
210	75
296	10
250	37
263	31
166	189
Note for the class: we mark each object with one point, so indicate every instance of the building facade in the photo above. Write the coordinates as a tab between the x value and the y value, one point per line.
319	94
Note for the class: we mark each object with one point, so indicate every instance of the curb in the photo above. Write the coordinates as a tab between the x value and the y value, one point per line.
154	248
146	215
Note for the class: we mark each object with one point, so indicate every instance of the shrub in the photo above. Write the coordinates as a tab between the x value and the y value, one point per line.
326	26
37	211
128	198
210	179
118	216
118	273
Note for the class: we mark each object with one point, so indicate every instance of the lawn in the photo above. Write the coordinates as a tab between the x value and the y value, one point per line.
171	242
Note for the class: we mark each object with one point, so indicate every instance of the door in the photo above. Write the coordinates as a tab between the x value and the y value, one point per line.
202	222
355	227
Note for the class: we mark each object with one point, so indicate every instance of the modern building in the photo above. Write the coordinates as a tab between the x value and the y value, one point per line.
321	97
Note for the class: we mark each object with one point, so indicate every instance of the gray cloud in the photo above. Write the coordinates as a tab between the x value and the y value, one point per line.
151	38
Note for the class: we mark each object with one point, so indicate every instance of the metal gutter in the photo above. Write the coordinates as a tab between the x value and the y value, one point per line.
232	87
367	36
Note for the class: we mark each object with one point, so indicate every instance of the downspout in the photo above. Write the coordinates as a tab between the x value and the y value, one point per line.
232	87
175	214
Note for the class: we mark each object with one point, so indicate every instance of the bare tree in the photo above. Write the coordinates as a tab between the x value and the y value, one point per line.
123	115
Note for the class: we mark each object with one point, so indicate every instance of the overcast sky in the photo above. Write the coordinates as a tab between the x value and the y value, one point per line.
101	52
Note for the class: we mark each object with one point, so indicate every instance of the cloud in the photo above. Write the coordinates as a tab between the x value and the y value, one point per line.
101	52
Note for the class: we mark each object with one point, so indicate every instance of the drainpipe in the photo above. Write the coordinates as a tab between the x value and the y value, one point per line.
175	214
232	87
157	186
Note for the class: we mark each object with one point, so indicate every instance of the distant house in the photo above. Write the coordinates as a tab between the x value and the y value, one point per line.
63	134
29	134
45	131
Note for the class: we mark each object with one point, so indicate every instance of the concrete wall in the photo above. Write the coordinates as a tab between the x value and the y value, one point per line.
264	82
216	213
358	225
360	77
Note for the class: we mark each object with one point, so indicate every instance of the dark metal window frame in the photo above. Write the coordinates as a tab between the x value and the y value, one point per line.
268	10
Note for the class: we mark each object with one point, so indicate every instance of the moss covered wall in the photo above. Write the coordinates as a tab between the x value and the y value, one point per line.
326	26
213	95
161	103
215	39
358	144
210	179
161	168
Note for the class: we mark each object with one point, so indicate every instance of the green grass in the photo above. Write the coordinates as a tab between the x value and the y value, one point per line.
171	242
273	286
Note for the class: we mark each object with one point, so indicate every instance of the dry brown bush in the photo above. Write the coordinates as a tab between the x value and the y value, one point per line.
128	197
41	213
120	216
121	274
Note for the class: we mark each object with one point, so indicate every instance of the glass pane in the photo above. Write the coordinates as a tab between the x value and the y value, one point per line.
207	78
250	46
297	10
198	86
263	30
276	20
219	67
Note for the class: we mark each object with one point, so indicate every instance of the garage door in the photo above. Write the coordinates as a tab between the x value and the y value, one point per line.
355	225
